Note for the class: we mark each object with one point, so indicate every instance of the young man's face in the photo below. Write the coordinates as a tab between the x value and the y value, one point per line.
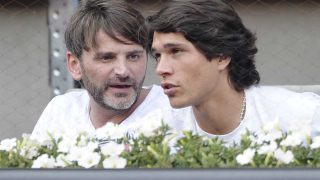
187	77
113	72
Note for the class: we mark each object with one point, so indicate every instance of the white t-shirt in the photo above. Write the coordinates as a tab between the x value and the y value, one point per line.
263	105
71	110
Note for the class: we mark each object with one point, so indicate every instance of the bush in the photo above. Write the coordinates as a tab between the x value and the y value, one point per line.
155	145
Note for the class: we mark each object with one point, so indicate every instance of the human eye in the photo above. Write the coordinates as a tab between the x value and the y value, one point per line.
156	56
107	58
175	50
104	57
134	57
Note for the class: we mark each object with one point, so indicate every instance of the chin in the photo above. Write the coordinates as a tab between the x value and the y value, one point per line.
176	104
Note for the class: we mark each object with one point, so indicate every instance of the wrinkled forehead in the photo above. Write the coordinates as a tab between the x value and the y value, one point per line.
93	37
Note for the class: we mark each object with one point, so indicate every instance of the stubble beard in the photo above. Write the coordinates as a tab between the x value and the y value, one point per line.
112	102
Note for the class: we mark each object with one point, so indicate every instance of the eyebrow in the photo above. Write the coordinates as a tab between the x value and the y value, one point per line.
169	45
100	54
136	52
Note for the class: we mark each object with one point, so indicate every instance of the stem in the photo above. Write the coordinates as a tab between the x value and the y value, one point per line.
150	149
266	161
253	164
308	139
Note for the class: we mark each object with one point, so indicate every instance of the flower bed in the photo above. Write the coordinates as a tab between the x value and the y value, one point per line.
154	145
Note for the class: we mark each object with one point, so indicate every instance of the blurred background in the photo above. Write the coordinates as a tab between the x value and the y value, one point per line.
32	51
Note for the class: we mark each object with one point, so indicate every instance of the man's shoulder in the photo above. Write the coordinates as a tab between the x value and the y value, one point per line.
280	102
69	109
280	94
78	97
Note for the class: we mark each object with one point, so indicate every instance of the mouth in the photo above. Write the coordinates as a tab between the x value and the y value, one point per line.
120	88
169	88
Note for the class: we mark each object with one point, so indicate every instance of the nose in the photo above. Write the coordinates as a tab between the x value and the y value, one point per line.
121	68
164	67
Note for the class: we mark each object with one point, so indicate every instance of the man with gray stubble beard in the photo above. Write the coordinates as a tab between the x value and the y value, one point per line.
106	42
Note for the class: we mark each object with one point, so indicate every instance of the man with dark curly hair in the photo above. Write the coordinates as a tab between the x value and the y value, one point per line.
205	59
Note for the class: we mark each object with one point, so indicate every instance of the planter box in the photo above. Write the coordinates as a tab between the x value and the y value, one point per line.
159	174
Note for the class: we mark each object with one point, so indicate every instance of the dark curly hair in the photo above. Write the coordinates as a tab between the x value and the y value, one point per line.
215	29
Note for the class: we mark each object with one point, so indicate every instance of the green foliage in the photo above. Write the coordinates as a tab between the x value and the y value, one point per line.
166	148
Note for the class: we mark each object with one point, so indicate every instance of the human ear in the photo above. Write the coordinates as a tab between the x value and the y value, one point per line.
223	62
74	66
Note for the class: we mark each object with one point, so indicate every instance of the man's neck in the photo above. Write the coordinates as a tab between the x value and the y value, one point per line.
99	115
220	113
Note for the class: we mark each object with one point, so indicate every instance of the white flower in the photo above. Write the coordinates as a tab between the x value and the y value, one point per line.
92	145
106	130
274	135
284	157
65	145
43	161
76	153
82	140
269	137
26	136
112	149
110	130
246	156
300	127
8	144
114	162
172	139
270	125
292	140
253	138
268	148
61	161
315	143
65	131
85	157
29	147
29	152
89	160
